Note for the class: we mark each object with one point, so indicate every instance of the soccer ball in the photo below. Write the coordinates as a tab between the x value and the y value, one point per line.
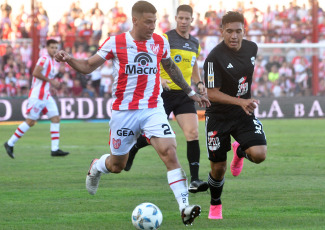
146	216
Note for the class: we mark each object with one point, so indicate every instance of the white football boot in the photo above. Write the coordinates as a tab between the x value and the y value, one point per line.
92	179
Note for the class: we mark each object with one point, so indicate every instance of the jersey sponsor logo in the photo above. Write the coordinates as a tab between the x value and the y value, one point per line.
187	46
142	65
210	75
178	58
213	141
125	132
242	87
154	48
230	66
253	60
116	143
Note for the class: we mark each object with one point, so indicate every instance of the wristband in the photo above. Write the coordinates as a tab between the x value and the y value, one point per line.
200	82
192	93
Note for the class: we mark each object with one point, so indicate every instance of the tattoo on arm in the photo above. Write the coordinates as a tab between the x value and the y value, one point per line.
175	74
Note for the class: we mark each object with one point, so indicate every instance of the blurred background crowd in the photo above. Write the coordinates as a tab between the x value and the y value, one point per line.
81	32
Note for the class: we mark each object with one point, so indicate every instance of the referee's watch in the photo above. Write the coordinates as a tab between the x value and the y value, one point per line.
200	82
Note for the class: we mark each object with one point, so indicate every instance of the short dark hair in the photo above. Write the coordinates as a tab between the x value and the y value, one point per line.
186	8
232	16
141	7
51	41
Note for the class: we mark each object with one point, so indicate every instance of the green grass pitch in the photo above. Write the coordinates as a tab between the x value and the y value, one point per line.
37	191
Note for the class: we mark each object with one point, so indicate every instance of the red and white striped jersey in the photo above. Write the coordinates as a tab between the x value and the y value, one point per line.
137	84
41	89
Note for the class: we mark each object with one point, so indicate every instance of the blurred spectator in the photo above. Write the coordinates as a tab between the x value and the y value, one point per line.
81	53
76	89
255	33
274	74
22	83
97	20
84	34
2	87
26	54
5	9
300	66
96	7
95	80
6	31
277	90
321	87
93	46
164	24
273	60
106	80
89	91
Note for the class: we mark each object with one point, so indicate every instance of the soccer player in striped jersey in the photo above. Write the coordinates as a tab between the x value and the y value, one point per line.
41	101
137	105
185	49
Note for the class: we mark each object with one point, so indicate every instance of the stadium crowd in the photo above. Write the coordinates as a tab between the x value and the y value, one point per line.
80	33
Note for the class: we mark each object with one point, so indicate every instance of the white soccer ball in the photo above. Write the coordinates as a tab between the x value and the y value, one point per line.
146	216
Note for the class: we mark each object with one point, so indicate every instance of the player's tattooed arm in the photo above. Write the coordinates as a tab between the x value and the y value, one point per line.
175	74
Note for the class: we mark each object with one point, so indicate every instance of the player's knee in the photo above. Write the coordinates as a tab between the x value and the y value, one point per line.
30	122
192	135
259	157
116	168
55	119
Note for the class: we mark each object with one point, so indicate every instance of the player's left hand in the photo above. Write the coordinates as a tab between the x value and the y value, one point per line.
201	100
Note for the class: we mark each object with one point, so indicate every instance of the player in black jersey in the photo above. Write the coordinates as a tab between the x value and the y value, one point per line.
185	50
228	72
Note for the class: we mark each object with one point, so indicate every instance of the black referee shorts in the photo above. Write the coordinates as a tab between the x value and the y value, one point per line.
247	131
178	102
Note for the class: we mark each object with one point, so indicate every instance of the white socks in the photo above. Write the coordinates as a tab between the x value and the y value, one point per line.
55	136
20	131
100	164
178	183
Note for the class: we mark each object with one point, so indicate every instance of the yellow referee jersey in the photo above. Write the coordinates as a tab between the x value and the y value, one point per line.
184	53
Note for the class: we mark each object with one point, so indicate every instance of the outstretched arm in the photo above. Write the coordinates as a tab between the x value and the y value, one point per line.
84	66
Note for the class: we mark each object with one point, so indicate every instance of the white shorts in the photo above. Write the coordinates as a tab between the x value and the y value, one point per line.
127	125
36	106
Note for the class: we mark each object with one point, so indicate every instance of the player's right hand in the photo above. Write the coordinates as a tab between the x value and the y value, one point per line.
249	105
164	83
201	100
62	56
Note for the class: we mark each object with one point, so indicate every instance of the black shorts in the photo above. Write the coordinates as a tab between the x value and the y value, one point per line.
178	102
247	131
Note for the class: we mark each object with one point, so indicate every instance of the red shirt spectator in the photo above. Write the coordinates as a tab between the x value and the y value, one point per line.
6	31
76	88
